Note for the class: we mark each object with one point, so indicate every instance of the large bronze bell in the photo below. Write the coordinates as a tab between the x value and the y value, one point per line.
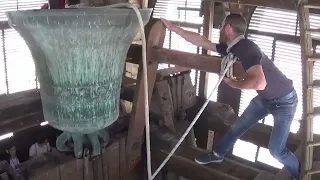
79	56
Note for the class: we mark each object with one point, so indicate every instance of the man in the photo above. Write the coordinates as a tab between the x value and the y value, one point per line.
42	146
276	94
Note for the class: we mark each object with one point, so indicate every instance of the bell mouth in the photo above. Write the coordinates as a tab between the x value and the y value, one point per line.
79	128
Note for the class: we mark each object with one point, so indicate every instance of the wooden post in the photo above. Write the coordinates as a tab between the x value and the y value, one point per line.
165	98
144	3
137	122
207	32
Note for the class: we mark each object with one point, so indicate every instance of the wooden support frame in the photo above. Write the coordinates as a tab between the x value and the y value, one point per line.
137	122
156	54
194	61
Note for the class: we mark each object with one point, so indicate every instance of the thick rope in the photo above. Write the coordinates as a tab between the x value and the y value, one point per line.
225	62
226	70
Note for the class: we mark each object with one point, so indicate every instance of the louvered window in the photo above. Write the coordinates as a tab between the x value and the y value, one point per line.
286	56
181	11
17	70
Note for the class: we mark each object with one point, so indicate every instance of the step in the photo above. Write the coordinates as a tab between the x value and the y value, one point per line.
264	175
316	112
312	6
315	168
314	30
316	141
314	144
314	57
316	84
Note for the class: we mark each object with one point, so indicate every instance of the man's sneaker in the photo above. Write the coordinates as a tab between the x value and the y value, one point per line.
211	157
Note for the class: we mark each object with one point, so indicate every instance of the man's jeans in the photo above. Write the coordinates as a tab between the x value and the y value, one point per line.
283	110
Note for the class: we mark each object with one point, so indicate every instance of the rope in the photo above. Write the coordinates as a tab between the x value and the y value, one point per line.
225	65
226	70
145	82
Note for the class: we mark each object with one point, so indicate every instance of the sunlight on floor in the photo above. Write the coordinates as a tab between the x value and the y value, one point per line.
264	156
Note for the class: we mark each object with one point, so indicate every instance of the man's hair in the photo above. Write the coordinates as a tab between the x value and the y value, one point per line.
41	139
237	22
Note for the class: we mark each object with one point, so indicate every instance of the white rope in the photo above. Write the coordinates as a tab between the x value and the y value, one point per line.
226	70
145	82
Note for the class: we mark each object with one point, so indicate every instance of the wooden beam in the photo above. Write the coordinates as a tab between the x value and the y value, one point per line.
264	176
22	122
194	61
165	98
283	4
207	32
144	3
137	122
182	162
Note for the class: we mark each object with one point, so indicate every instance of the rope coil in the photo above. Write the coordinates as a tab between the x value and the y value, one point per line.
230	58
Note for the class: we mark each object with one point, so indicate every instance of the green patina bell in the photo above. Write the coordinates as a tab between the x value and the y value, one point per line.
79	56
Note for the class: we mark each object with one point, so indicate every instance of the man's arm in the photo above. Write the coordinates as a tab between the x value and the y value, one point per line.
191	37
254	79
32	151
250	56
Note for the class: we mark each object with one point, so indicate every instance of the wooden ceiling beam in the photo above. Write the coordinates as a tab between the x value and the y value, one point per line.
194	61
